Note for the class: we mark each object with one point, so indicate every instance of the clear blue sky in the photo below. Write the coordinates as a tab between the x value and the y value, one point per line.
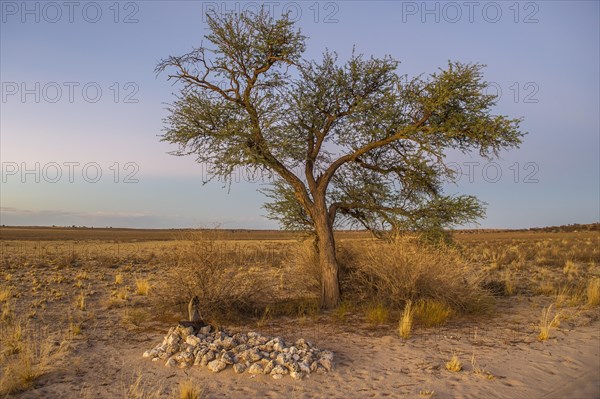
542	56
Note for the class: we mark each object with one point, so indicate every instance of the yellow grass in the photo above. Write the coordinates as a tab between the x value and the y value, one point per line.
8	309
5	294
188	390
571	270
80	302
138	390
122	293
593	291
341	312
76	328
142	286
454	364
377	314
430	313
406	322
547	322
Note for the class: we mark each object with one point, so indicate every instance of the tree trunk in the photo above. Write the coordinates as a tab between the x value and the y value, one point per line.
330	285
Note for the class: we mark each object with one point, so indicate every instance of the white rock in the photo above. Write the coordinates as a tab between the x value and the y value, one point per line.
227	358
269	367
326	363
253	355
192	340
255	368
210	355
304	367
279	369
173	339
216	366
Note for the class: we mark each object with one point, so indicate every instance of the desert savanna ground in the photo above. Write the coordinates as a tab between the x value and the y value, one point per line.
498	314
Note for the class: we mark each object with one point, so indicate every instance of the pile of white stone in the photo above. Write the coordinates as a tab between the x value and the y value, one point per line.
245	352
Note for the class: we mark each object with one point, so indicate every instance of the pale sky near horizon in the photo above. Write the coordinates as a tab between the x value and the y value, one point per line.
81	107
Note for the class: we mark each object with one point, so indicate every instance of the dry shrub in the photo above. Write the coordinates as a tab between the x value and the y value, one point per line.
303	272
227	287
394	273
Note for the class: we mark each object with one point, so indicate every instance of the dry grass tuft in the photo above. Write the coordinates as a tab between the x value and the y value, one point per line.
136	317
119	279
431	313
5	294
142	286
454	364
80	303
547	323
137	390
480	370
188	390
377	314
340	314
8	312
593	291
122	294
571	270
406	322
76	328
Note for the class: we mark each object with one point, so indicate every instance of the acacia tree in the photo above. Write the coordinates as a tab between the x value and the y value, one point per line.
346	142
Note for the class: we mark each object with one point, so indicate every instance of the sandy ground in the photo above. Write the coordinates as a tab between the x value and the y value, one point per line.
370	362
499	351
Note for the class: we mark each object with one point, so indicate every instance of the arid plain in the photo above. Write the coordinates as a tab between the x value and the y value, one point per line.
498	314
